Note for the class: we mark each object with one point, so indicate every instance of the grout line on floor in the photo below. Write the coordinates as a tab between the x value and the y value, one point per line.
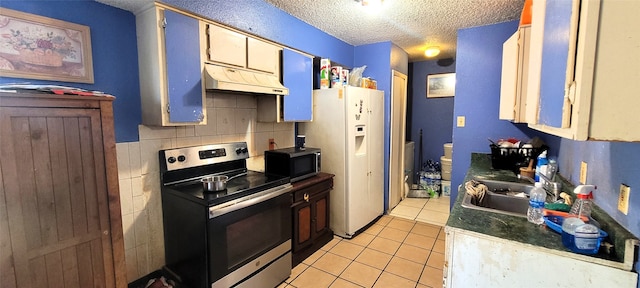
383	222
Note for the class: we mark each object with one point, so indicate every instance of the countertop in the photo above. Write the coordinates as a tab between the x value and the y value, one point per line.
520	230
322	176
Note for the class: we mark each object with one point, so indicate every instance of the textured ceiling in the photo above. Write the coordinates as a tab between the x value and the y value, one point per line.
413	25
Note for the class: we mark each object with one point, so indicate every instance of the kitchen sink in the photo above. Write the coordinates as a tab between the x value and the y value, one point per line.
503	197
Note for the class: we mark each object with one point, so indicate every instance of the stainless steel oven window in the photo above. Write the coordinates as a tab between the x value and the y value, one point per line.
240	236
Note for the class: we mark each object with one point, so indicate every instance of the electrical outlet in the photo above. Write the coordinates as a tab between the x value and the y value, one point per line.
623	200
272	144
461	120
583	172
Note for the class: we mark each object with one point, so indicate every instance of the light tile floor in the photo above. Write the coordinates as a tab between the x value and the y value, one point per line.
430	210
393	252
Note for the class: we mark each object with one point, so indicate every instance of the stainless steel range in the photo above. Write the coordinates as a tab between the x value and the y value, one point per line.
237	237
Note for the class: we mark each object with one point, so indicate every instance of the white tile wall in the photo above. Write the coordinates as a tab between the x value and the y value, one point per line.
230	118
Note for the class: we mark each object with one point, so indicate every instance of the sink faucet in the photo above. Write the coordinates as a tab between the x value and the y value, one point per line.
526	178
552	188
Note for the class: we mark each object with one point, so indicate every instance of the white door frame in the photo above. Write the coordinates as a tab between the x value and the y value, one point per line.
397	137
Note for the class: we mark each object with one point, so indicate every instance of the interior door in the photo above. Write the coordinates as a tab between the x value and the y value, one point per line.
397	138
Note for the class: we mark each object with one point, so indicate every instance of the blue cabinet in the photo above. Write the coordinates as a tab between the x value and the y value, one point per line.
583	69
184	76
170	65
297	76
558	62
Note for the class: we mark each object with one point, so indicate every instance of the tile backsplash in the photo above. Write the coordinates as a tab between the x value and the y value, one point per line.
230	118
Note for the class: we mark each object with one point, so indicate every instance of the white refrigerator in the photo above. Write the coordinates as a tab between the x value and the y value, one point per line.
348	127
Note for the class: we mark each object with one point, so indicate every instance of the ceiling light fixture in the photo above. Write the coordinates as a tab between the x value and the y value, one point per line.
432	51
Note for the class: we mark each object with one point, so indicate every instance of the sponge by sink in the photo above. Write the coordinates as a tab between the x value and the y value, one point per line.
557	207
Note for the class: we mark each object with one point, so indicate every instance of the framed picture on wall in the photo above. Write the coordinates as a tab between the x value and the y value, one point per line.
37	47
441	85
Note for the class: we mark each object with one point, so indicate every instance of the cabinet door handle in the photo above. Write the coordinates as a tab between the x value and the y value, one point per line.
306	197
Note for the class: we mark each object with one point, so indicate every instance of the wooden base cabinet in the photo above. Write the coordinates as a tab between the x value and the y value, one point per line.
60	221
310	210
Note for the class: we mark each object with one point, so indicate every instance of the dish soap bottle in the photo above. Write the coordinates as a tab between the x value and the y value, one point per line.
541	165
582	206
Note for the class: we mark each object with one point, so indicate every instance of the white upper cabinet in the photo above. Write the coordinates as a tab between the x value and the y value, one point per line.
583	69
515	64
263	56
232	48
226	46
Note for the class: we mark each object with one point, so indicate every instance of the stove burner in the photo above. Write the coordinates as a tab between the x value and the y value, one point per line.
229	159
237	187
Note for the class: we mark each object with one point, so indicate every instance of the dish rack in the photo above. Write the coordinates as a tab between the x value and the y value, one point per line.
513	158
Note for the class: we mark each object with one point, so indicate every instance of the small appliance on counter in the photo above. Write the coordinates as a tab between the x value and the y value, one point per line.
293	162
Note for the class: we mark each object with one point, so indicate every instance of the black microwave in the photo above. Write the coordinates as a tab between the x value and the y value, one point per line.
294	163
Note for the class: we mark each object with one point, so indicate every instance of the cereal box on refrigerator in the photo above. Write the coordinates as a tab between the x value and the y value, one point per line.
325	70
344	77
336	73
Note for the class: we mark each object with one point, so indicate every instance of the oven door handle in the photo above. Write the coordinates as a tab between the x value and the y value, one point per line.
228	207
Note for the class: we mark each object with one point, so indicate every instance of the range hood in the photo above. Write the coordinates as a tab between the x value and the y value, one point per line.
240	80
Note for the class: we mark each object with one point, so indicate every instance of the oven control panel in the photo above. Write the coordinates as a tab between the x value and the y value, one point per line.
180	158
212	153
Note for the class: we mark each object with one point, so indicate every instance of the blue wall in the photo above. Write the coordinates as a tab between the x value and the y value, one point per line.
114	54
432	115
609	165
478	69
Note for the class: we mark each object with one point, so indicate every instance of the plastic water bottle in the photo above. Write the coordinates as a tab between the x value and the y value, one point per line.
537	197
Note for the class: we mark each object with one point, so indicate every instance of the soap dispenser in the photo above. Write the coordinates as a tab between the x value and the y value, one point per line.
582	206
